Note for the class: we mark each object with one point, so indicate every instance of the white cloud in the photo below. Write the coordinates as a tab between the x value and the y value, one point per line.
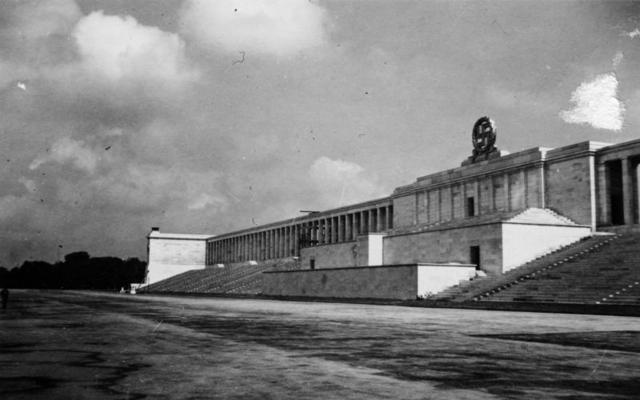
67	150
634	33
342	180
280	27
596	104
206	200
29	184
617	59
120	48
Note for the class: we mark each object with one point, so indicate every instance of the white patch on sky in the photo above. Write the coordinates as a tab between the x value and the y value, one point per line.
617	59
206	200
634	33
120	47
597	104
29	184
344	179
279	27
21	85
67	150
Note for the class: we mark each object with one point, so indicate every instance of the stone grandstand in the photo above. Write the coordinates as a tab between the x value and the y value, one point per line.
541	225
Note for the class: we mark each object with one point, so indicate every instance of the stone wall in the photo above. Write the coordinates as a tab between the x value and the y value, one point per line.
433	279
172	256
335	255
569	188
522	243
447	245
403	282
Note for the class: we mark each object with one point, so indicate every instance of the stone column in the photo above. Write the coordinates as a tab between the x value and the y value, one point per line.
296	239
491	204
542	200
525	187
507	198
348	226
603	195
627	192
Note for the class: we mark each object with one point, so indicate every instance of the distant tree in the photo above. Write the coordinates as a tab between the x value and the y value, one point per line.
78	271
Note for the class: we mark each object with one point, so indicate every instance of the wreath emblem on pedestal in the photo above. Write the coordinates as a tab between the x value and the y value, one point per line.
483	136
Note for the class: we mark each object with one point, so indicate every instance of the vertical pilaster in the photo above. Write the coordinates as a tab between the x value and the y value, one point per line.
627	192
507	197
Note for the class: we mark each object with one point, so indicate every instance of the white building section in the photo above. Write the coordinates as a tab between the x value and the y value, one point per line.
174	253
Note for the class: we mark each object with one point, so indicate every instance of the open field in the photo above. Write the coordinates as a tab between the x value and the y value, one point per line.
81	345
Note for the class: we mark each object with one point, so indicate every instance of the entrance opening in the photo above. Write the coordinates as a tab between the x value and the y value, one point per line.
471	207
312	263
474	256
614	176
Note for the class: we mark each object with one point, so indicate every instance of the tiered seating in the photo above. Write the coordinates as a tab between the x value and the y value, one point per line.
234	279
609	274
478	287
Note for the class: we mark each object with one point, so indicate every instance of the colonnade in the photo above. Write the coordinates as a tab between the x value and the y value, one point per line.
619	194
285	240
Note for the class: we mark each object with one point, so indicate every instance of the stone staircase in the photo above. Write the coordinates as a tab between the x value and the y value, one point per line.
609	274
482	287
231	279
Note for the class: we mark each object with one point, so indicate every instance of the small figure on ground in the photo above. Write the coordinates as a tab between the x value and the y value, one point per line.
5	297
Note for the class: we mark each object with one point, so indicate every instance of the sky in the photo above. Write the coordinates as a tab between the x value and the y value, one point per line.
205	117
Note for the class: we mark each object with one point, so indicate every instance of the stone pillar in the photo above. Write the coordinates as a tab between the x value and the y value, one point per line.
339	233
593	194
348	230
542	200
604	217
389	217
507	198
525	187
491	206
372	221
627	192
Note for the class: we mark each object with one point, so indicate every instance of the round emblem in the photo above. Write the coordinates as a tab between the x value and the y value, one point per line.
483	136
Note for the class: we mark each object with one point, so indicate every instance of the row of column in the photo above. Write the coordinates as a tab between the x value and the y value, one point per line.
628	188
438	205
286	241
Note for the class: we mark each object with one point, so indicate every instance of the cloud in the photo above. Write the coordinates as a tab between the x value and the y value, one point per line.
29	184
342	180
279	27
617	59
634	33
597	104
121	48
67	150
206	200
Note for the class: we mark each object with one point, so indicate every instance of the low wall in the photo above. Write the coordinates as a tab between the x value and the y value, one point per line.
433	279
402	282
523	243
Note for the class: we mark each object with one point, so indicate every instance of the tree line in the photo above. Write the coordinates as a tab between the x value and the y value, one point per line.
77	271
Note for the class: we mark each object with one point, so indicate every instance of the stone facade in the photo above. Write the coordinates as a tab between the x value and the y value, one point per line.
170	254
464	215
402	282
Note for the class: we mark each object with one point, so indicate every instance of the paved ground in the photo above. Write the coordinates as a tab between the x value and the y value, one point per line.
56	345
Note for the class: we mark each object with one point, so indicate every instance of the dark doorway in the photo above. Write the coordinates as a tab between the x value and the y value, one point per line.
471	207
474	256
312	263
616	200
